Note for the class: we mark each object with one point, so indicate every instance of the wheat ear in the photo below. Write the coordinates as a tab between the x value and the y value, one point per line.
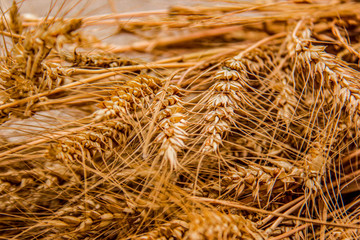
171	124
135	92
328	71
224	226
109	133
227	96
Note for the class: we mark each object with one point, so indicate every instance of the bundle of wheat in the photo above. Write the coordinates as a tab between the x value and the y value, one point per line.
237	121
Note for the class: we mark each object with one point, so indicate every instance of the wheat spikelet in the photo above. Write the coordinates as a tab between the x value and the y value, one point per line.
216	225
226	95
91	141
174	229
315	166
121	213
328	71
15	23
171	124
124	101
285	100
25	72
38	44
230	95
33	190
89	215
331	79
26	189
135	92
100	60
261	181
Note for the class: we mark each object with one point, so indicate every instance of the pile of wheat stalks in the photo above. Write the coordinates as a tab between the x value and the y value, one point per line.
241	124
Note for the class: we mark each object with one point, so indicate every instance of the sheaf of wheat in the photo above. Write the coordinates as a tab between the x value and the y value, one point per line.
226	120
